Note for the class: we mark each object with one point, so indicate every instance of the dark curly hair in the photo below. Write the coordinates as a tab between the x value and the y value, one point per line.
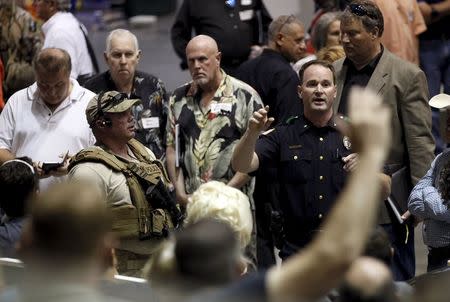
444	185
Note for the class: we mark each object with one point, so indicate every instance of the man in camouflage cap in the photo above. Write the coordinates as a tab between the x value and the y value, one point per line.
20	40
134	182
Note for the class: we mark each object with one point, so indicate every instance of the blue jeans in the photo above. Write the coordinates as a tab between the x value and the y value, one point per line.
403	264
435	62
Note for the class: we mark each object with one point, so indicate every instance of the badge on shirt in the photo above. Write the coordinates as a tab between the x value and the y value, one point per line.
246	15
346	142
217	108
150	122
246	2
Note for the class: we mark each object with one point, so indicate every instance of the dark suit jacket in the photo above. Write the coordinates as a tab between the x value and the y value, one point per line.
404	89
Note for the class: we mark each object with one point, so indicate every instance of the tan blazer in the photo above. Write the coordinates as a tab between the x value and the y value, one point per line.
404	89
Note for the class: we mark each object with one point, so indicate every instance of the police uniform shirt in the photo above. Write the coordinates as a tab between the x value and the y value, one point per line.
236	25
310	173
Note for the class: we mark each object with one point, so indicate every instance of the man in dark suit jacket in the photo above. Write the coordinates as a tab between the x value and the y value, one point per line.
403	87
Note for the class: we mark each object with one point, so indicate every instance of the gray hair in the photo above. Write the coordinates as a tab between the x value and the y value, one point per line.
320	30
120	32
280	23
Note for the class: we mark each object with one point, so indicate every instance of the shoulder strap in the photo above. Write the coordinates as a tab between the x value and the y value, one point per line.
139	151
138	198
142	154
94	154
90	49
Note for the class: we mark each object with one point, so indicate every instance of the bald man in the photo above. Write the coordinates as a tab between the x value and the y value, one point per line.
206	119
368	279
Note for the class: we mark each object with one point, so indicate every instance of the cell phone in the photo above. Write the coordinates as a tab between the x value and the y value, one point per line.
47	167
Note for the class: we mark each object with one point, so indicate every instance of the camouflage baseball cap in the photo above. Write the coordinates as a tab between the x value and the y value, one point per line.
111	101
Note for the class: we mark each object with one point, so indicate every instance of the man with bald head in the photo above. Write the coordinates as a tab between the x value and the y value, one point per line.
46	120
206	119
368	279
122	56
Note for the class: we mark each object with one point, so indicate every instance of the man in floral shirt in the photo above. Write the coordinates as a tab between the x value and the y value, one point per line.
211	113
122	56
206	119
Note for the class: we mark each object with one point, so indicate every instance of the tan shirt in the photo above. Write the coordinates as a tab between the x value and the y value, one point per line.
403	22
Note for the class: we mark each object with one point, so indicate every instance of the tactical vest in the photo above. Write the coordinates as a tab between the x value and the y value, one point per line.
141	220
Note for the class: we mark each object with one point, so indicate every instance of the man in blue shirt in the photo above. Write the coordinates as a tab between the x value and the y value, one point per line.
427	201
18	182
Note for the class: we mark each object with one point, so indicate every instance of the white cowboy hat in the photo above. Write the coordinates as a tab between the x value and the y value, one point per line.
440	101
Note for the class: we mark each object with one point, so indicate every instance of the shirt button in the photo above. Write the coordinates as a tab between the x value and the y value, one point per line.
321	177
295	157
49	114
235	26
320	197
231	15
321	139
305	126
320	216
321	157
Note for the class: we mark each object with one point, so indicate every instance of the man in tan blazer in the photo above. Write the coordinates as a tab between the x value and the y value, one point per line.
403	88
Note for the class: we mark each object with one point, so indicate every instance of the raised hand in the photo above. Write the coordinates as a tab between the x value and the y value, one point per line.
260	121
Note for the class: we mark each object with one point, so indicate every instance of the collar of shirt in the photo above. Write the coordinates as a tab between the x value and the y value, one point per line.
307	124
225	89
75	95
137	79
368	69
50	22
272	53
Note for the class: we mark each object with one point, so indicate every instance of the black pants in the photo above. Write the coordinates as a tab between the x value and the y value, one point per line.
438	257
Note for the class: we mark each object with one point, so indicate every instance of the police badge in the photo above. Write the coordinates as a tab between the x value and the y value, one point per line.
347	143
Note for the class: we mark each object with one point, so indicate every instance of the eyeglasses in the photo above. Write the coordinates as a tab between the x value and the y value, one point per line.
359	10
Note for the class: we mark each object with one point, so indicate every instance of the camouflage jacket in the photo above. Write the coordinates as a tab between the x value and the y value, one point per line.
20	40
208	135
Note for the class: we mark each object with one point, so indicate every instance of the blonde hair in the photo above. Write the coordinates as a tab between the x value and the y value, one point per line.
331	53
218	201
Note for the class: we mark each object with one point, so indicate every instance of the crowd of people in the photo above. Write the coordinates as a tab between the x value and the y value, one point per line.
306	144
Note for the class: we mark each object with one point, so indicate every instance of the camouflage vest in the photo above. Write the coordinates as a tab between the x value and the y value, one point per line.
140	220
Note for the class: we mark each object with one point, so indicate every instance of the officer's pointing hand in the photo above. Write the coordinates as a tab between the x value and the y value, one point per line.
260	121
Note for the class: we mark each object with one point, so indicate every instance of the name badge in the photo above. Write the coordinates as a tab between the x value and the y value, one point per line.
150	122
246	15
221	107
246	2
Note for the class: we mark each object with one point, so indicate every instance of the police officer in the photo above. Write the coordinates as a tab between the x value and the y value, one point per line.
312	157
236	25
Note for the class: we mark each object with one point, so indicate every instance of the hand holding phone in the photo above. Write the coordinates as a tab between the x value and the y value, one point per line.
48	167
52	168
